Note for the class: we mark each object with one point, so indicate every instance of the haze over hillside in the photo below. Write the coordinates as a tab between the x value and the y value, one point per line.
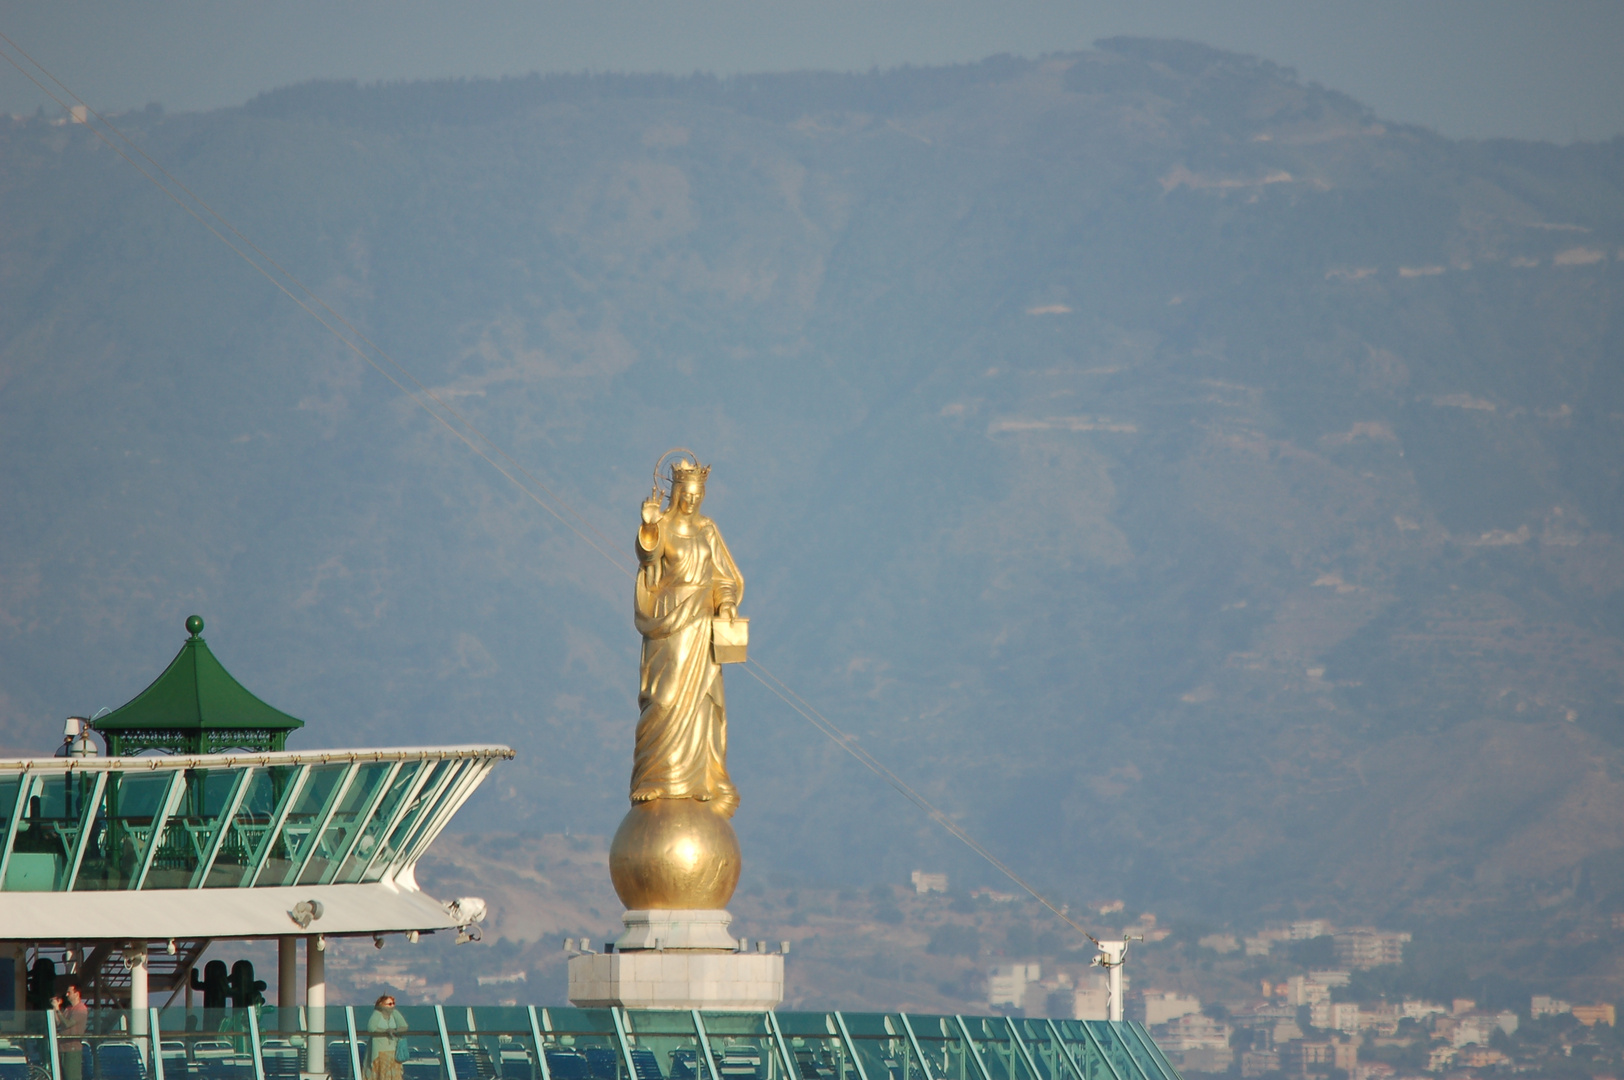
1205	491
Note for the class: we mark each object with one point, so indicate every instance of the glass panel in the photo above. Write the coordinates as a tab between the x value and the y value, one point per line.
129	807
381	817
742	1047
250	826
53	818
489	1042
425	822
408	817
24	1053
580	1044
191	827
999	1055
943	1046
298	831
1147	1053
9	786
341	826
1088	1058
881	1043
814	1043
1040	1046
1109	1041
664	1046
212	1044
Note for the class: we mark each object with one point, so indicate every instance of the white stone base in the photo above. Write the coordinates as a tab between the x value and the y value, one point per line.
676	930
677	979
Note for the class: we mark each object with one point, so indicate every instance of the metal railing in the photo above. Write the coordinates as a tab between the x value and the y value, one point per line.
453	1042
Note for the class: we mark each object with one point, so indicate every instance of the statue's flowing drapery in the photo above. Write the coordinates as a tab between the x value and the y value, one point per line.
682	729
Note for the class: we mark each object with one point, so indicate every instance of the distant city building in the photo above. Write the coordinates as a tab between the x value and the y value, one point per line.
1200	1042
1313	987
1078	1003
1308	929
1257	1063
1219	943
1301	1057
1366	948
1477	1028
928	883
1420	1010
1591	1015
1160	1006
1544	1005
1006	983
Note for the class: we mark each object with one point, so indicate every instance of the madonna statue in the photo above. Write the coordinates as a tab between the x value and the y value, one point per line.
675	849
686	580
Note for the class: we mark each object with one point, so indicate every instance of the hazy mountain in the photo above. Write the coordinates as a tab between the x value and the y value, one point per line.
1206	492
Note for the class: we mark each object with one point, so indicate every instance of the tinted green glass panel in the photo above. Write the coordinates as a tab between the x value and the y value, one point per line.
319	864
406	817
130	805
426	820
53	819
382	816
665	1046
580	1044
944	1048
742	1046
191	827
298	832
250	826
881	1043
814	1044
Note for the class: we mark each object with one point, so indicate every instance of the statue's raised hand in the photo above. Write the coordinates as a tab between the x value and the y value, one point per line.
651	508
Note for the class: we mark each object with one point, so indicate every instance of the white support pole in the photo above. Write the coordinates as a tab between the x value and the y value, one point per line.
135	956
19	987
315	1005
287	982
1113	951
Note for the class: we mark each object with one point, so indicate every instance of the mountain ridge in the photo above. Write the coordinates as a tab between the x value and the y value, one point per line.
1163	464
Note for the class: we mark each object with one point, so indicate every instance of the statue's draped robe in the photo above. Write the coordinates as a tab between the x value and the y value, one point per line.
682	729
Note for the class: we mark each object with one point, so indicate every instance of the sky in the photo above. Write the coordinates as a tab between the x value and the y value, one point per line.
1466	68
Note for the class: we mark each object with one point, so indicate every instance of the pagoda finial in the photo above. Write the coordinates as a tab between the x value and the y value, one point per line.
194	625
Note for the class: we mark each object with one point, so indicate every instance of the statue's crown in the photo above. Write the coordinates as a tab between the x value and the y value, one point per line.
683	471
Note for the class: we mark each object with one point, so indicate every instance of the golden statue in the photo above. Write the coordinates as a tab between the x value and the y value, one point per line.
675	849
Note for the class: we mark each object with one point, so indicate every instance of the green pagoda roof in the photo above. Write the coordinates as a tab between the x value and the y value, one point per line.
186	706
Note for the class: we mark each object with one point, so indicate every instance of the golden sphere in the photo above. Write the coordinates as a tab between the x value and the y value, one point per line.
674	854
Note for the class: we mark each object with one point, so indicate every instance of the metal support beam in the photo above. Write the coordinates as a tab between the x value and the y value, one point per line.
445	1043
135	958
974	1051
254	1046
919	1051
790	1071
86	818
544	1071
172	797
625	1047
316	1005
851	1048
355	1043
711	1069
287	981
222	828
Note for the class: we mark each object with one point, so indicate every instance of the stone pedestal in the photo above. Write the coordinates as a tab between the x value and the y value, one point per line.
681	959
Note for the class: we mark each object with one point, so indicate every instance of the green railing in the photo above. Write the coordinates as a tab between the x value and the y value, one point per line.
535	1043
